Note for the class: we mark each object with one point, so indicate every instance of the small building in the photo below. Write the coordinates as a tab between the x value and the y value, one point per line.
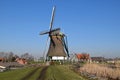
21	61
2	59
9	65
80	57
98	59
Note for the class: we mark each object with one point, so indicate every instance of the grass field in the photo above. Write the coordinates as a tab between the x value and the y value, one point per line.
54	72
61	73
17	74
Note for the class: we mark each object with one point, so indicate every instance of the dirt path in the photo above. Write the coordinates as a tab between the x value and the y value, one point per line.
42	73
30	74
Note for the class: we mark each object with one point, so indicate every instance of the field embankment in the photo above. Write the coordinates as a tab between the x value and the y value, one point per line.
61	72
53	72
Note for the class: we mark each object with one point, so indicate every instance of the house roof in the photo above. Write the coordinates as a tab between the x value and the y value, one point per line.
82	56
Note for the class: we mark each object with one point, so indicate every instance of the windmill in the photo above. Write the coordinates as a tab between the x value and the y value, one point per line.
58	48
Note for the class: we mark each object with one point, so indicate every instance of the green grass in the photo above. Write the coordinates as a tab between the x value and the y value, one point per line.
15	74
61	73
35	76
54	72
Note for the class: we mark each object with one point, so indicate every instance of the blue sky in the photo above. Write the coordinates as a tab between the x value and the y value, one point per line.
92	26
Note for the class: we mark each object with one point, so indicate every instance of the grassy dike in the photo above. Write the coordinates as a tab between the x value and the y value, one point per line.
52	72
61	72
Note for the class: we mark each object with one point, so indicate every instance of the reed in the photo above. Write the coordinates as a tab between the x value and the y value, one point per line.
102	71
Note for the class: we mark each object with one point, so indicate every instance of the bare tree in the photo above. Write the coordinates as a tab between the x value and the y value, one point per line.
2	54
27	56
10	56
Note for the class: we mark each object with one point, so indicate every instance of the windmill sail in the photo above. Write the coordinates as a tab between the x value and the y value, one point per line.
52	18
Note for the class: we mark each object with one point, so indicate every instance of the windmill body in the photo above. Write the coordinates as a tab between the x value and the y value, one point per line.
58	49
